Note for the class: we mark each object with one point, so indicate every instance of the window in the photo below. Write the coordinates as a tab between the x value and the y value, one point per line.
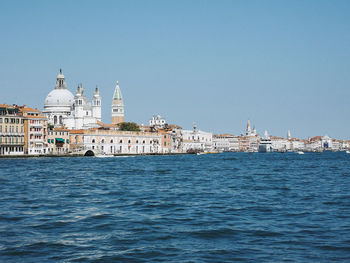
6	120
55	120
137	141
93	140
129	141
103	141
111	142
121	141
0	120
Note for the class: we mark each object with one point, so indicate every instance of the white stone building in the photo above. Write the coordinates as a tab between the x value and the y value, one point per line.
157	121
225	143
197	140
108	141
73	112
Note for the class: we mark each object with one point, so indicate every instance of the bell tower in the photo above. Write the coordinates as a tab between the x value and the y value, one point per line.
96	104
117	106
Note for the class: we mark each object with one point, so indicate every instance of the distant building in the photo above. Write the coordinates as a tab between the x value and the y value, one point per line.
11	130
35	131
250	141
117	106
110	141
196	140
62	108
157	122
58	141
225	143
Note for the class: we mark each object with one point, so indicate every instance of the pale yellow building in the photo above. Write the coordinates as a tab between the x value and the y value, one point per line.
11	130
58	141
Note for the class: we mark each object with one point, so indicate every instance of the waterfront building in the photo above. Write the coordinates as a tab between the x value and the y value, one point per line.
11	130
197	140
224	142
166	141
327	142
35	131
117	106
58	141
110	141
248	143
297	144
314	144
319	143
280	144
233	144
62	108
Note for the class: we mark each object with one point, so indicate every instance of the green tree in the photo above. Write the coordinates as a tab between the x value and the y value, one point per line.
128	126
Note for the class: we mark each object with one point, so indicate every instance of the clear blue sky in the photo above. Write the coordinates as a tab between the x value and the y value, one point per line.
282	64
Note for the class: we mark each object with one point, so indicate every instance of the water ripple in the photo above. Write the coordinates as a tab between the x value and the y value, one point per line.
230	207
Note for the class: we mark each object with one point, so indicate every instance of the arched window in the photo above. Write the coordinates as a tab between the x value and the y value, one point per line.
111	142
60	119
121	141
129	141
93	140
103	141
137	141
55	119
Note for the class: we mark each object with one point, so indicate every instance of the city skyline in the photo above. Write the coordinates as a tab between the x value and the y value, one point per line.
283	66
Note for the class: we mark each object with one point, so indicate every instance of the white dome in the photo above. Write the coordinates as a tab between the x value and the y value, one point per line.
59	97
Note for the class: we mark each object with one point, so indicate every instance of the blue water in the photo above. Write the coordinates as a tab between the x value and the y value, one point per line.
226	207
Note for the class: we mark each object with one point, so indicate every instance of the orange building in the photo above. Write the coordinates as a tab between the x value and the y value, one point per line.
35	131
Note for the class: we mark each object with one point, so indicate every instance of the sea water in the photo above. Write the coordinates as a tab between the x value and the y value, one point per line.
229	207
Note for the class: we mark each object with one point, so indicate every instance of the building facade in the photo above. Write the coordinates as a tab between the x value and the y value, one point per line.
196	140
58	141
63	109
110	141
11	130
35	131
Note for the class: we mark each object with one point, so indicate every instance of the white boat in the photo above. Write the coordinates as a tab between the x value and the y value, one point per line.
104	155
347	151
300	152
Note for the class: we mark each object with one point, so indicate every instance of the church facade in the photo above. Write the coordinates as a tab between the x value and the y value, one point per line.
63	109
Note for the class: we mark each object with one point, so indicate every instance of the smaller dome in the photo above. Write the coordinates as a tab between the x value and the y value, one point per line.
59	97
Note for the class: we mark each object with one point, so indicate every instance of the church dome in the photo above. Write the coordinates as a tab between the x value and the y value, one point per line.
59	97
